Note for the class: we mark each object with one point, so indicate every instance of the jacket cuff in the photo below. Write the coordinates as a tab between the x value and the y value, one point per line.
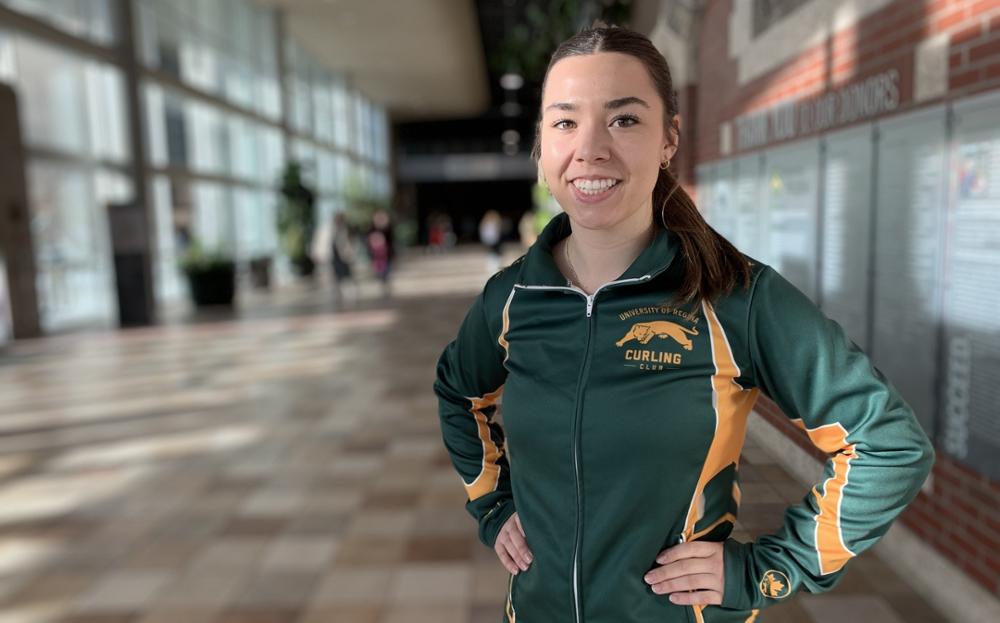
490	524
737	559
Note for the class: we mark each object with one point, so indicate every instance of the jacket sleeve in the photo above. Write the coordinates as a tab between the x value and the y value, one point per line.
469	383
878	454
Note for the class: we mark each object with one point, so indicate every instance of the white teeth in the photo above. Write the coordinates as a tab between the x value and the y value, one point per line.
593	187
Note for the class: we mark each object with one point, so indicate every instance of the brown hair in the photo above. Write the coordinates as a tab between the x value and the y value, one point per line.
712	265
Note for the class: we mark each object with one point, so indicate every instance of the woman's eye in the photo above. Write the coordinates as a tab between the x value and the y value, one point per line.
559	124
627	121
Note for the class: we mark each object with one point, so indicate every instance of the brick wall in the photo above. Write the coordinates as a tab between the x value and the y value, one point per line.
886	39
961	516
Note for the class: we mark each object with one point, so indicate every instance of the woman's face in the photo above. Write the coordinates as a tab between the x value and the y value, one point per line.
602	139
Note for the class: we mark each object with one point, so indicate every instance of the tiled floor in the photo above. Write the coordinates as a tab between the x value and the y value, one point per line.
284	465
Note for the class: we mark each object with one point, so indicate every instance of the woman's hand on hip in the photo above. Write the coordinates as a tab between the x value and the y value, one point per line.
691	573
511	546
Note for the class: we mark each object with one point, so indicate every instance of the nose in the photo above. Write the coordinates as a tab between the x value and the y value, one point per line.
594	143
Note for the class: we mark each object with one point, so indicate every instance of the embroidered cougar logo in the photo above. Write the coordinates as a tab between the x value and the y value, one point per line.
644	332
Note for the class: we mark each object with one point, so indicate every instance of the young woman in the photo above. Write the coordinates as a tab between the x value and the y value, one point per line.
630	344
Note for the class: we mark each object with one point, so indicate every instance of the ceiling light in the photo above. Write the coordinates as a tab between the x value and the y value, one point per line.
511	81
510	137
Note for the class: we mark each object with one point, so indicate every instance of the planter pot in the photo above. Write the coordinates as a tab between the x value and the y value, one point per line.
215	285
260	272
303	266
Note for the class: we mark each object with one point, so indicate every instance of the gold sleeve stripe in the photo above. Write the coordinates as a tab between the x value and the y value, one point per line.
489	476
831	550
732	405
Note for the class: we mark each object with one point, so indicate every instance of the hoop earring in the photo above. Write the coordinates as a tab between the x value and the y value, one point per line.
665	164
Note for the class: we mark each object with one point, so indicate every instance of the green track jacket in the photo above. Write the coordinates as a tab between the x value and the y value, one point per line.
623	421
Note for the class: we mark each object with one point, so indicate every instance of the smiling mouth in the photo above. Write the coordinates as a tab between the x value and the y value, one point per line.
594	187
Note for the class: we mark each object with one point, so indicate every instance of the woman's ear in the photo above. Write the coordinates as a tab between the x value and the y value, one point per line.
673	138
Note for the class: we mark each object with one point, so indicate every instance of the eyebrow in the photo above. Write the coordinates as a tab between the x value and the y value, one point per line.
609	105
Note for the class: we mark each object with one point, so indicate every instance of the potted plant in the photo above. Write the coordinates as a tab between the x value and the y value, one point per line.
211	275
296	219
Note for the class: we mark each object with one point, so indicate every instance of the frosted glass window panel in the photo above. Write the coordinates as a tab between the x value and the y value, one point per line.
89	19
323	110
214	19
248	224
269	201
341	173
358	124
199	63
147	47
242	148
305	154
384	138
268	96
168	279
300	104
789	235
910	197
106	112
749	208
100	17
170	50
271	158
8	67
207	136
156	123
69	225
722	212
704	176
970	430
50	88
326	173
267	91
213	217
341	116
177	126
847	185
6	325
237	81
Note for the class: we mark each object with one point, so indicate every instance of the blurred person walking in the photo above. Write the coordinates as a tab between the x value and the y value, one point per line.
381	248
342	257
490	235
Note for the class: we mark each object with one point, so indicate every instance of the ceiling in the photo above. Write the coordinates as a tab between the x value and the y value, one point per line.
423	59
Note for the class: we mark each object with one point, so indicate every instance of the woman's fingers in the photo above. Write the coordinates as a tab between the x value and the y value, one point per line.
517	547
512	544
691	573
695	582
518	521
687	566
505	558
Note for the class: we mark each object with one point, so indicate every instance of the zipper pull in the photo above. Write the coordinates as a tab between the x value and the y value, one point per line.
590	305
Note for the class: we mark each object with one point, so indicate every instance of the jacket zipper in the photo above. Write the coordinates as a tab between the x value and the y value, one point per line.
576	423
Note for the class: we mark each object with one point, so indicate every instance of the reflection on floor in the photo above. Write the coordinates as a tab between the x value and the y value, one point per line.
281	466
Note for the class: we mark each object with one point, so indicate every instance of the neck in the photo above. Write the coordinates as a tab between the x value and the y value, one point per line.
599	256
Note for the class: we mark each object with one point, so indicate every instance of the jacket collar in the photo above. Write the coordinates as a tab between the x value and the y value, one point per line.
540	267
